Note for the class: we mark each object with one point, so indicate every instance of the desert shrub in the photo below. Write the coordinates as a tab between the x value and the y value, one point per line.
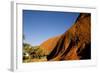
37	52
32	52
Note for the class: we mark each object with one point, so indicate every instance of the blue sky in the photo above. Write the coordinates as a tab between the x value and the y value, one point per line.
38	26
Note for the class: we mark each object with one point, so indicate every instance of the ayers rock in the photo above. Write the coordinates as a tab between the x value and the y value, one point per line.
74	44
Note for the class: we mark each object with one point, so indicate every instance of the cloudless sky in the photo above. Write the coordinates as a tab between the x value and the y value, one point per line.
38	26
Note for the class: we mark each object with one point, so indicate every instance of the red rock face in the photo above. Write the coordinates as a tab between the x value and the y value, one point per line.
49	44
74	44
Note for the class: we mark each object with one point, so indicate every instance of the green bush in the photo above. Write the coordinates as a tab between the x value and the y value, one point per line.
32	52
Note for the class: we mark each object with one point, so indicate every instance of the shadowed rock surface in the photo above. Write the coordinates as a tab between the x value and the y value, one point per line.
74	44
